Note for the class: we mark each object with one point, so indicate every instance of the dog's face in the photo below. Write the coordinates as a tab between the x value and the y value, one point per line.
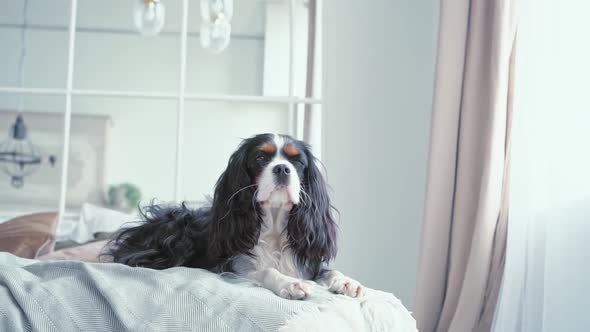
279	164
274	166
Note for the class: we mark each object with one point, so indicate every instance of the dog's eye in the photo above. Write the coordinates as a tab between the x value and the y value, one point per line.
296	160
261	158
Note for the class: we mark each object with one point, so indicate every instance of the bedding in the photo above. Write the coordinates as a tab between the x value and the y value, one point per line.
88	252
59	245
95	219
30	235
75	296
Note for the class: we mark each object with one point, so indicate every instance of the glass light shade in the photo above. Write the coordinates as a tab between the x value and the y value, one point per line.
216	26
211	9
215	36
149	16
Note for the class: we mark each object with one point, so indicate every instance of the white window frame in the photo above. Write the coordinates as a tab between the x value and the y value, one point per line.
291	100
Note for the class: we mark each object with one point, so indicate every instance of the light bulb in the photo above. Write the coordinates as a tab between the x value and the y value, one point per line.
215	36
210	9
216	26
149	16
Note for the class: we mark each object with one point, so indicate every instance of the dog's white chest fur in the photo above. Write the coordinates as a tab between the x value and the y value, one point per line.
272	250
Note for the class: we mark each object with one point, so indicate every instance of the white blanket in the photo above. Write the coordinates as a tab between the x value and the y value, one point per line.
72	296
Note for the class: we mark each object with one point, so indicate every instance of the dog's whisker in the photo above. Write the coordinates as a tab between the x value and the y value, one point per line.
305	198
240	190
254	201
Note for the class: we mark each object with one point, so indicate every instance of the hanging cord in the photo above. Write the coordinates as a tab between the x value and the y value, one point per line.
23	54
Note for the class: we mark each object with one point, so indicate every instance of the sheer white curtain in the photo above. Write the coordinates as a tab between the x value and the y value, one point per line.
546	284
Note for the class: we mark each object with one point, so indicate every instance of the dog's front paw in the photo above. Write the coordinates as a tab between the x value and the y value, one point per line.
347	286
295	290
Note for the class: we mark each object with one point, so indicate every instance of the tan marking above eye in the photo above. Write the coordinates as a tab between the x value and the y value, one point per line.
268	148
291	150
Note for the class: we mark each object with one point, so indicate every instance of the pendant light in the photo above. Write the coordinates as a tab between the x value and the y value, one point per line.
149	16
19	157
216	24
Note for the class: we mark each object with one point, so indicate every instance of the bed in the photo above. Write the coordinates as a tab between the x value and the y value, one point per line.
78	296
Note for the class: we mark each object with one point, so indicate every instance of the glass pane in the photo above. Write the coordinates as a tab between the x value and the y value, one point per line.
111	54
128	145
212	133
256	60
39	149
45	41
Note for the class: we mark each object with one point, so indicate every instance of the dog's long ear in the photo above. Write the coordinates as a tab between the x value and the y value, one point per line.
236	221
311	229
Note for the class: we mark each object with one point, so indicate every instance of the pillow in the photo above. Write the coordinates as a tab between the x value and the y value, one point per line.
29	236
95	219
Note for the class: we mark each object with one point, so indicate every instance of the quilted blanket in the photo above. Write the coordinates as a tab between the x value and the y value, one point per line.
64	296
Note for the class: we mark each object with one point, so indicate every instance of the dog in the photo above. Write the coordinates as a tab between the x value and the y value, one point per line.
270	220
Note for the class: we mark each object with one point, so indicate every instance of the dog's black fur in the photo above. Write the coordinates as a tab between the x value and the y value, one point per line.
210	237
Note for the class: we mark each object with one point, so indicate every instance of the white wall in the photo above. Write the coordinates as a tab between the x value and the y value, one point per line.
378	77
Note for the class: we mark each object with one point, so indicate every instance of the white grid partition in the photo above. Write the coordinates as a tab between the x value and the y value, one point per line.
181	96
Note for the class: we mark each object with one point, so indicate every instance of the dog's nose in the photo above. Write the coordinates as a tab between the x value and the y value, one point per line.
281	170
281	173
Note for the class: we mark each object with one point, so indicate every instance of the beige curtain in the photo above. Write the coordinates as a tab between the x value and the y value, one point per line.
464	229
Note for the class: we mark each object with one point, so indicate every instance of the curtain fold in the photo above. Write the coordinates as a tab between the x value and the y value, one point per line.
498	259
464	231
